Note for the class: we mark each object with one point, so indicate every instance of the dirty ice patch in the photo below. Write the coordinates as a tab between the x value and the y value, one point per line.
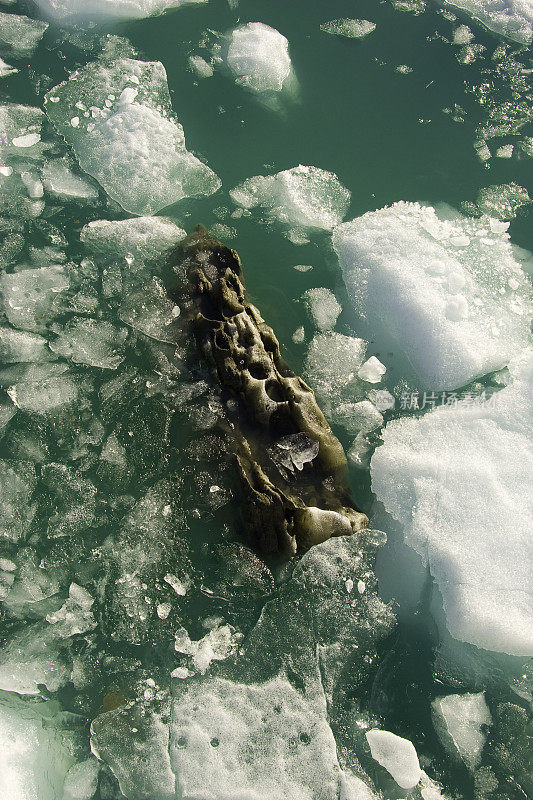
303	196
449	294
455	478
510	18
116	115
258	57
87	10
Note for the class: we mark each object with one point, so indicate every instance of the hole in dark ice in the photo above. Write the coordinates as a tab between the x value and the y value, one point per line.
215	742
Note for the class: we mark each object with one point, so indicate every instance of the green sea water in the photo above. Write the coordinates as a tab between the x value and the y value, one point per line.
389	134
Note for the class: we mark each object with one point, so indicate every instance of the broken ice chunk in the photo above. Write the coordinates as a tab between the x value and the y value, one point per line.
71	11
307	196
200	66
32	297
138	240
44	395
150	311
502	201
59	180
89	341
294	451
75	615
17	346
20	34
258	56
323	307
217	645
20	128
332	362
372	370
354	417
31	658
136	150
81	781
17	484
397	755
511	19
350	28
459	721
6	69
402	267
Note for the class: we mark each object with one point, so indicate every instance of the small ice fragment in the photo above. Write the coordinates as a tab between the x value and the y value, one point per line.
181	673
323	307
26	140
20	34
33	185
179	587
163	610
462	35
457	308
349	585
303	267
506	151
6	69
459	721
258	56
397	755
350	28
75	122
6	171
372	370
81	781
299	335
361	586
200	66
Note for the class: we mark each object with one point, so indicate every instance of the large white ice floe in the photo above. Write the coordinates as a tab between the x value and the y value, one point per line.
455	478
459	720
397	755
20	35
511	18
448	293
34	756
231	740
302	196
117	116
258	57
74	10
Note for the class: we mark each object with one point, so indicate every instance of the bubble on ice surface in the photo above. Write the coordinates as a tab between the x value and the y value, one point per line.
258	56
323	307
81	781
397	755
285	734
33	297
217	645
134	742
35	756
396	263
71	11
20	34
96	343
150	311
372	370
17	484
141	238
460	720
129	131
60	181
482	567
350	28
307	196
17	346
510	18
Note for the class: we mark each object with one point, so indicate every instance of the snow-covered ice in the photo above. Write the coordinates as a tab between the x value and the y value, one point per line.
302	196
397	755
20	35
258	57
459	720
132	145
455	478
510	18
75	10
448	293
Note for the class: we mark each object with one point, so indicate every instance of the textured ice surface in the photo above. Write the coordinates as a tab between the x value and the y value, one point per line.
131	144
449	293
90	341
511	18
17	483
258	56
306	196
20	35
32	298
459	720
81	781
332	363
455	479
6	69
397	755
216	645
34	758
74	10
323	307
250	740
45	393
139	239
20	131
31	659
17	346
350	28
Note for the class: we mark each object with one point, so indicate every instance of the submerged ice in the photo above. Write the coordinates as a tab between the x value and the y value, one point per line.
116	114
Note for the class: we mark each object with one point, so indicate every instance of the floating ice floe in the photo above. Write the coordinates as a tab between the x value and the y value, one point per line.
20	346
76	10
455	479
17	484
200	66
20	131
448	293
34	756
138	240
349	28
285	734
96	343
302	196
510	18
6	69
397	755
258	57
20	35
460	720
323	307
33	297
117	116
62	182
